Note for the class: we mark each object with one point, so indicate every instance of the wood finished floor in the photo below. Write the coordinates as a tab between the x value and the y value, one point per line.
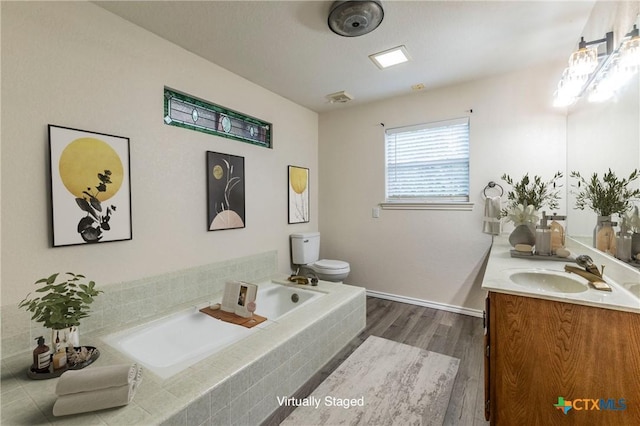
456	335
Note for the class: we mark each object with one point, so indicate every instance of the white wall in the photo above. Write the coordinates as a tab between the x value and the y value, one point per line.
74	64
431	255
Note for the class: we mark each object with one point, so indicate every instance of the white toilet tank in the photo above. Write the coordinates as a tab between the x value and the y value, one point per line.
305	248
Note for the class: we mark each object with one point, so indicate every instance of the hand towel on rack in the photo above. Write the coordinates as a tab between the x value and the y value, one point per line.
100	399
491	223
94	378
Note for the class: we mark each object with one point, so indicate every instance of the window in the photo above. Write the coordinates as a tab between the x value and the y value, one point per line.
428	164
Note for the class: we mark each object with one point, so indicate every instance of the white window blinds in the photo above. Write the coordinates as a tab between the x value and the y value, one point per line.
428	162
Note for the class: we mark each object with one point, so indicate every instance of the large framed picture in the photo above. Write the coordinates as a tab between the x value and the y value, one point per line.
298	182
90	187
225	191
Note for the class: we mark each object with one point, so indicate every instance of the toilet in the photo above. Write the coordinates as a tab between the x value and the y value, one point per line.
305	252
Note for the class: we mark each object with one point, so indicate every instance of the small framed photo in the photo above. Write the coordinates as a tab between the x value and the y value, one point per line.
298	183
90	187
239	298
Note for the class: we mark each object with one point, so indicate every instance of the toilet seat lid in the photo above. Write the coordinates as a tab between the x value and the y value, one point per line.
329	264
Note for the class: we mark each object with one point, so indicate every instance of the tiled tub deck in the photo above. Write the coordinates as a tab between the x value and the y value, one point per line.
239	385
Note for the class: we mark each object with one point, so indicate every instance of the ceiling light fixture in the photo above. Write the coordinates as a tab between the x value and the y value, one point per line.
390	57
355	18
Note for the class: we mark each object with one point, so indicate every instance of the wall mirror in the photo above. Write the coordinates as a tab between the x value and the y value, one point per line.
601	135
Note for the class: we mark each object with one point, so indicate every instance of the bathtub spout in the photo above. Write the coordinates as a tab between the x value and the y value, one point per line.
313	277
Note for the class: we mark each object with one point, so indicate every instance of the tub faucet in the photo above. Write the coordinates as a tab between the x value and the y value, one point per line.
590	272
313	276
304	276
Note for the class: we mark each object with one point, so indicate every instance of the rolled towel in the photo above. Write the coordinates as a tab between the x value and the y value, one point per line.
90	379
100	399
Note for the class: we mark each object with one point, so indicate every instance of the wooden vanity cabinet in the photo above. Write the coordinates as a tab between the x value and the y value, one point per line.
537	351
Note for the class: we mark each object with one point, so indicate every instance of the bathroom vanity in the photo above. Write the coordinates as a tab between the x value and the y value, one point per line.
551	344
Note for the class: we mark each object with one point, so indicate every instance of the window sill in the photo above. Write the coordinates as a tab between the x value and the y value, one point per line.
461	206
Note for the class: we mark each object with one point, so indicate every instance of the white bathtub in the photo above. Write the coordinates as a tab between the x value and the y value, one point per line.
169	345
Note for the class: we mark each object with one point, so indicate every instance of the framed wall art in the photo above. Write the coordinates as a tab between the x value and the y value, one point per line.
225	191
298	183
90	187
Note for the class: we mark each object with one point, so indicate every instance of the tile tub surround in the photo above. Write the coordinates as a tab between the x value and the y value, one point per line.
620	276
237	386
126	303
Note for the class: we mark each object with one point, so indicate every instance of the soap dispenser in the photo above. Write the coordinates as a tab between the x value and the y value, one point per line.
41	357
557	233
543	237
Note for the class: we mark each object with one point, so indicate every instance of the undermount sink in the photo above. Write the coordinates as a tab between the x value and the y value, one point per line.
547	281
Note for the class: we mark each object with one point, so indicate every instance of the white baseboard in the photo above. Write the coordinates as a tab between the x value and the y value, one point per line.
426	303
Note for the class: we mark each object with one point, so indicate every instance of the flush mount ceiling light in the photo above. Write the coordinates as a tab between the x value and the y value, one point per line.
390	57
355	18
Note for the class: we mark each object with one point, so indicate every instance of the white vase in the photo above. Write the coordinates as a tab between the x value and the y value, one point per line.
65	338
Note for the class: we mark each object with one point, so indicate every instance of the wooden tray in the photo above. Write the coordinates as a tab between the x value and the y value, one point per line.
57	373
233	318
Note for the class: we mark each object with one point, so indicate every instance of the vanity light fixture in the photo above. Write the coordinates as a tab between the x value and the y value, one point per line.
621	67
390	57
630	50
584	65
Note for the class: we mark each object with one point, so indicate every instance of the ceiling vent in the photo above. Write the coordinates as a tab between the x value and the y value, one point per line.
339	97
355	18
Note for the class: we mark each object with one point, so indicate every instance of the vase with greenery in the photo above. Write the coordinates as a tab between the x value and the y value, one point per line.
526	198
64	303
606	197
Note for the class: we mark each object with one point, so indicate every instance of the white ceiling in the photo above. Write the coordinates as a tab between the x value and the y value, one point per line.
287	47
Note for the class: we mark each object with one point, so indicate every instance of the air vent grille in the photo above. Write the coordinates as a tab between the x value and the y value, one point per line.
339	97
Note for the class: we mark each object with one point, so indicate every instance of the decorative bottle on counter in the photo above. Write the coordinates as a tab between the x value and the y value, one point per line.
41	357
604	238
60	357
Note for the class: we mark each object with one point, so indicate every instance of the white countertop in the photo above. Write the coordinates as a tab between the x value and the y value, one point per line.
624	279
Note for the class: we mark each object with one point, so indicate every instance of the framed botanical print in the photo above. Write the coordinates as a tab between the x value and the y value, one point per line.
90	187
225	191
298	183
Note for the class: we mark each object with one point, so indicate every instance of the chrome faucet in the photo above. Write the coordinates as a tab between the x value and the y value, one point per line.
590	272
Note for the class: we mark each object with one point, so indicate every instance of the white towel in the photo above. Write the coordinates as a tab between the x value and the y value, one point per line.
491	222
100	399
90	379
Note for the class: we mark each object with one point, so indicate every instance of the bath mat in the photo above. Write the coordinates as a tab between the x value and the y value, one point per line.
233	318
381	383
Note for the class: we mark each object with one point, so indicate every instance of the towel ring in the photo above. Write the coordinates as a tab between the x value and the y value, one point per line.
490	185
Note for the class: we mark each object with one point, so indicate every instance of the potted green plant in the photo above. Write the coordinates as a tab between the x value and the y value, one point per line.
528	195
64	303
